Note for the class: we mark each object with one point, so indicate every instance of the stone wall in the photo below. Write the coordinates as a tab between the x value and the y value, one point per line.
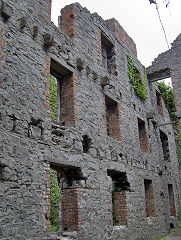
32	47
168	64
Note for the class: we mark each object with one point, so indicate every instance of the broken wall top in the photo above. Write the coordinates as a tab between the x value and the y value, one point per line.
79	23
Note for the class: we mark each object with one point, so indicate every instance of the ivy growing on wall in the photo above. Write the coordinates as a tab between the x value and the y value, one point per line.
168	96
53	98
139	84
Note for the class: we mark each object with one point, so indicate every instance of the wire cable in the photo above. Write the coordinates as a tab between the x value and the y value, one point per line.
162	24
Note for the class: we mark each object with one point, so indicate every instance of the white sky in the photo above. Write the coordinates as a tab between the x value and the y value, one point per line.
140	20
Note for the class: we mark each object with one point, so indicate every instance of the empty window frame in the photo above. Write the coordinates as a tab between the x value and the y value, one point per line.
149	198
171	200
119	197
107	51
65	198
112	118
159	102
143	138
165	146
61	98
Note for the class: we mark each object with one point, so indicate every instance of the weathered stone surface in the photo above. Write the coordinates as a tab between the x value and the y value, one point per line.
23	22
48	40
35	31
30	143
80	64
6	10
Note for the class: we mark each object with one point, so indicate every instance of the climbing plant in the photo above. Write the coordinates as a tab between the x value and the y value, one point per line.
55	197
168	96
53	98
139	84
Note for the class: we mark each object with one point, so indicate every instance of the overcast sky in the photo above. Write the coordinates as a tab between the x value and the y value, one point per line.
140	20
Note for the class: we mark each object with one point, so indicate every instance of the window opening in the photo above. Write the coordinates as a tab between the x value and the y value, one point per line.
112	118
143	138
171	200
61	100
86	143
107	51
65	184
159	102
149	198
119	198
165	146
53	102
172	226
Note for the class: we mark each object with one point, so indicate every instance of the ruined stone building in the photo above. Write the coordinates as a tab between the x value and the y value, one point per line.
111	146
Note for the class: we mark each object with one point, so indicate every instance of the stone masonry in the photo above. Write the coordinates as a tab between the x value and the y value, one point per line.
107	145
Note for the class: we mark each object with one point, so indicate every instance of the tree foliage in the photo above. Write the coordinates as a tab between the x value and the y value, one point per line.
55	197
53	98
168	96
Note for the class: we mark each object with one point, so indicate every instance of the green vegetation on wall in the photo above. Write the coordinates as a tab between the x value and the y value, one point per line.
53	98
139	84
168	96
55	197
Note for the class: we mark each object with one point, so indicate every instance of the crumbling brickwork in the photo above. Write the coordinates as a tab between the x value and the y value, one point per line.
120	210
90	150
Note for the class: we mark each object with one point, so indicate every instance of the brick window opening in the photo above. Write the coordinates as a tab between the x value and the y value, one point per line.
107	52
112	118
119	197
61	99
66	186
171	200
159	102
86	143
165	146
149	198
143	138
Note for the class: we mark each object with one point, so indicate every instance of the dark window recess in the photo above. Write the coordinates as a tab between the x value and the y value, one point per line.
2	166
171	200
107	52
165	146
112	118
139	76
143	138
149	198
154	125
172	226
159	102
120	185
86	143
1	172
61	98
